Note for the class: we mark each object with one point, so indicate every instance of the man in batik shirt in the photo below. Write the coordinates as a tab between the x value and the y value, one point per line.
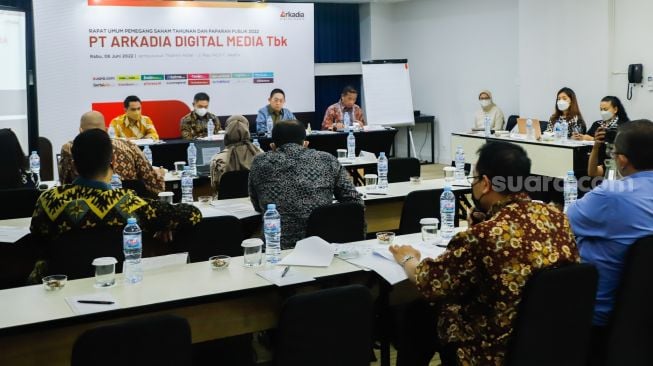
194	124
477	283
133	125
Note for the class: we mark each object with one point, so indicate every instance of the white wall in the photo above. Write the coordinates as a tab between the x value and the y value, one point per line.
455	49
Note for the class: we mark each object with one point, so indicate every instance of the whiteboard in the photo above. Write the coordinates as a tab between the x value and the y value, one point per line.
386	89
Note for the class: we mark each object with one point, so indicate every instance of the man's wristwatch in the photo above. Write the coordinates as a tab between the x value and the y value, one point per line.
405	259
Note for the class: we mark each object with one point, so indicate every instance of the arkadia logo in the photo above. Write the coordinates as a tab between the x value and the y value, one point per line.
288	14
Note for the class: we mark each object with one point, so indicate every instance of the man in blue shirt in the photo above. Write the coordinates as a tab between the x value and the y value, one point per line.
610	218
274	110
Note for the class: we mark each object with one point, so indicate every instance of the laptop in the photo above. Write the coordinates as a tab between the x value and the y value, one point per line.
205	151
521	126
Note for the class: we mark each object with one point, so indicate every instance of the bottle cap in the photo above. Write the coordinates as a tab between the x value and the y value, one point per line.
381	154
571	172
34	152
272	206
447	187
191	144
131	220
186	167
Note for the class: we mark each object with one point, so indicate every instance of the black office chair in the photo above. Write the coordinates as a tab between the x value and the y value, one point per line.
139	187
73	252
45	153
233	185
554	318
159	340
18	202
418	205
212	236
512	122
312	331
399	169
630	337
337	223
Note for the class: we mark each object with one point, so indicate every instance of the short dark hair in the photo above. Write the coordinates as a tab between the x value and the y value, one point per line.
291	131
201	96
635	141
506	161
129	99
277	90
92	153
349	89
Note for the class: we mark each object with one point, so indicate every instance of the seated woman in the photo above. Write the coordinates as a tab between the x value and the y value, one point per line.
613	114
13	163
238	153
567	109
489	109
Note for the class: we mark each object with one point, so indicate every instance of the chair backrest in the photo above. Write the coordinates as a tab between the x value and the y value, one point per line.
73	252
45	153
631	327
512	122
315	329
554	319
18	202
338	222
233	185
418	205
139	187
220	235
158	340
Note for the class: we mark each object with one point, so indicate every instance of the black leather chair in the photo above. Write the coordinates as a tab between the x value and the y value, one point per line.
139	187
337	223
163	340
314	328
18	202
233	185
630	336
399	169
212	236
512	122
418	205
45	153
554	318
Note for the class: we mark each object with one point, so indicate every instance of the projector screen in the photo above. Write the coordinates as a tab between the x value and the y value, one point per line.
13	92
100	51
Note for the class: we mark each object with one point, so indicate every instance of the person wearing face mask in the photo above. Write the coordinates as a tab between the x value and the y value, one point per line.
132	124
488	109
193	125
334	115
610	218
275	110
476	302
613	114
567	109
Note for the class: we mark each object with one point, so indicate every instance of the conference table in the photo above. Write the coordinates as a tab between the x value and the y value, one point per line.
39	327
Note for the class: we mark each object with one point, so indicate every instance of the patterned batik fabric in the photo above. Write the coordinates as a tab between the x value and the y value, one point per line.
335	114
298	180
143	129
194	127
477	283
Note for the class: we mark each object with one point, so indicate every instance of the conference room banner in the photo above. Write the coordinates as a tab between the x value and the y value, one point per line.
98	51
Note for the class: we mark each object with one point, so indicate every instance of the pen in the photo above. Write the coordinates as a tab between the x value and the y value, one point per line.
283	274
377	194
96	302
461	185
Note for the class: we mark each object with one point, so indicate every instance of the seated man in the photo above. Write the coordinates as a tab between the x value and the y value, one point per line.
133	125
610	218
89	202
477	283
193	125
334	116
129	162
275	109
297	180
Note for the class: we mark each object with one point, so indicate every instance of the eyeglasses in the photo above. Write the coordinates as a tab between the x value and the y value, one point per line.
472	179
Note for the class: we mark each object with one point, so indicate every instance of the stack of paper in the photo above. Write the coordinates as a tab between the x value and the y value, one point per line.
292	277
311	252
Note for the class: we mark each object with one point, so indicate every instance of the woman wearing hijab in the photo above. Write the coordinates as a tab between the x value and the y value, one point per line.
488	109
238	153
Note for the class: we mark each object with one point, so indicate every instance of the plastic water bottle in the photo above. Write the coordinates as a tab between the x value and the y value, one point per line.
272	231
382	172
351	145
564	130
570	189
557	131
530	133
487	124
35	163
148	154
346	119
116	183
187	185
132	246
459	173
210	127
112	132
191	152
256	143
447	213
269	123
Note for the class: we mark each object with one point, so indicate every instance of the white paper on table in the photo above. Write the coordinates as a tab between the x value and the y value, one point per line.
292	276
312	252
11	234
240	209
81	309
216	137
373	128
152	263
390	270
141	142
